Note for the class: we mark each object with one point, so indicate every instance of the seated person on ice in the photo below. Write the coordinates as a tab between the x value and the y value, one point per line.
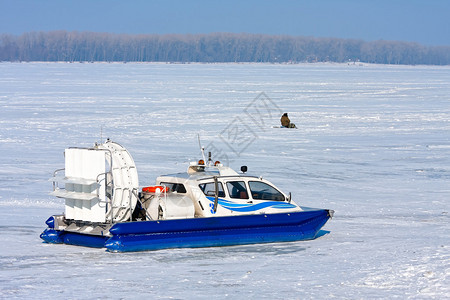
285	122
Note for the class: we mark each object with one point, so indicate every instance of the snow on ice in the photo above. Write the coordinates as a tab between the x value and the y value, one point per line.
373	144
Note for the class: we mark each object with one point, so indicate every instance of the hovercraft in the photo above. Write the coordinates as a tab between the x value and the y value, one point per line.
209	205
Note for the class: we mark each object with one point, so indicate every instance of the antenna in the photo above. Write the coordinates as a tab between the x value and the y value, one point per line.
202	149
199	143
101	133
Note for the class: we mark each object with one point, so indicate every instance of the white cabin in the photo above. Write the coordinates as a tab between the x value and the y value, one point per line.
210	191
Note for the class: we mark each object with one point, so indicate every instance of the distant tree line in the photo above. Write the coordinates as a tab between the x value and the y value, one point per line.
215	47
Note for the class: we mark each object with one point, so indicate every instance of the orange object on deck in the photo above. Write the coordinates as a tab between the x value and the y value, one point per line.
152	189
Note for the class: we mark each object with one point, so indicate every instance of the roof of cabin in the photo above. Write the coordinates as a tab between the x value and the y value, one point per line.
202	172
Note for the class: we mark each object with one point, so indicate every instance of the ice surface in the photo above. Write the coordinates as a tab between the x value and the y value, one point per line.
373	144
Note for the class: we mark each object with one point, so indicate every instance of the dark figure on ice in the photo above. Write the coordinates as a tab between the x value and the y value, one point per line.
285	122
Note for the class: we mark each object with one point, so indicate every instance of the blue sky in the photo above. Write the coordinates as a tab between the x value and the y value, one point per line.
423	21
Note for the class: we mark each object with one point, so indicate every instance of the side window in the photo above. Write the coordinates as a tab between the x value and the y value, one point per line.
175	187
209	190
263	191
237	189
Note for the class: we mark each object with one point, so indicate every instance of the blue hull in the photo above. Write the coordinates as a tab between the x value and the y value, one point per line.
200	232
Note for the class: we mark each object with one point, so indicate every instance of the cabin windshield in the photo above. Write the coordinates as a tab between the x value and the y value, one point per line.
237	189
209	189
263	191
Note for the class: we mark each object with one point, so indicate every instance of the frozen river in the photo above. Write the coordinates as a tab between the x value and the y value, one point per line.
373	144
